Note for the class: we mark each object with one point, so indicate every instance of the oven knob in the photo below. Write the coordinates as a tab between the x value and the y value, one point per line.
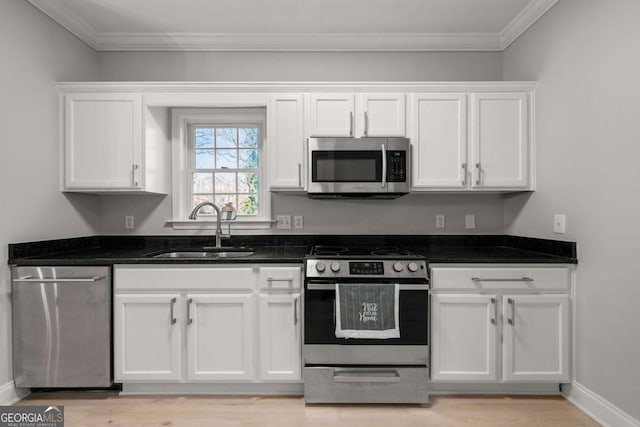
398	266
320	266
335	266
413	267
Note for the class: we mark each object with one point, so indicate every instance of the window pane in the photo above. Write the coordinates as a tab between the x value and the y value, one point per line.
226	159
248	159
248	137
223	199
205	210
203	138
247	182
226	137
204	159
247	204
203	183
225	183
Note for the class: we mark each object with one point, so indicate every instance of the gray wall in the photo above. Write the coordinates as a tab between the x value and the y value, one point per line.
414	214
584	53
36	53
300	66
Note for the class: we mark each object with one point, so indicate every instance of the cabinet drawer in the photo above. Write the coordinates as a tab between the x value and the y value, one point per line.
280	277
478	278
192	277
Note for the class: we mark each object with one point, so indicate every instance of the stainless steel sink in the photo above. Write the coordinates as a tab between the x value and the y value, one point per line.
217	253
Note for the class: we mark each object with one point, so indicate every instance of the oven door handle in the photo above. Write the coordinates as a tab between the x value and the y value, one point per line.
390	376
332	287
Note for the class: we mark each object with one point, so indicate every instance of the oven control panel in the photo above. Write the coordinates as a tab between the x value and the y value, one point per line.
327	268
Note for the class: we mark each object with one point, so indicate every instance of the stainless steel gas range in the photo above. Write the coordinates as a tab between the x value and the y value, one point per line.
365	370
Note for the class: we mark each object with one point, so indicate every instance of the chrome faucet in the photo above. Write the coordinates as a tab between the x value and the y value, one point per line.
194	215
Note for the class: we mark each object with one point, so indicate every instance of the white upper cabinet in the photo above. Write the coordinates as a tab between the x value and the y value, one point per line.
286	144
356	115
331	114
103	141
381	114
500	140
439	140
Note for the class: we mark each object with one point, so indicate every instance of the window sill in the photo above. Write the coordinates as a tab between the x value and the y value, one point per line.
210	224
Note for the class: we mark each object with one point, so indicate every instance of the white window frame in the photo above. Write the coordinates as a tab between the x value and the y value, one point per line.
182	118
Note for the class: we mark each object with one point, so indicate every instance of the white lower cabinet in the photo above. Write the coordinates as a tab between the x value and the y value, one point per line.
169	327
500	324
280	337
148	339
219	337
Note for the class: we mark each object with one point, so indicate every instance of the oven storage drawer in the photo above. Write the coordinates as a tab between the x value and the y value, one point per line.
365	385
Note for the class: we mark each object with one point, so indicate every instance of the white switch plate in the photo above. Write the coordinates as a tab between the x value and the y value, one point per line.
298	221
470	221
128	222
440	221
283	222
559	223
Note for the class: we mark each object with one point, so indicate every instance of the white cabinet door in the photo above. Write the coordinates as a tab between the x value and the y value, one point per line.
381	114
463	337
219	337
103	141
500	142
147	337
439	141
331	114
280	333
536	338
286	142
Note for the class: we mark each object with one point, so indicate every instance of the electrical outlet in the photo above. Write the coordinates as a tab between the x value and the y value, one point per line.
470	221
298	221
283	222
128	222
559	223
440	221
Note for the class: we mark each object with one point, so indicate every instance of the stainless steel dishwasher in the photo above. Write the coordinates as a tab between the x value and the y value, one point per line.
61	326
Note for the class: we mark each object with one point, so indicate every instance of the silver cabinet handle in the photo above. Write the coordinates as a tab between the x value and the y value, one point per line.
189	319
384	167
516	279
295	311
173	317
351	123
511	302
366	123
299	174
134	168
495	311
479	176
366	377
464	174
31	279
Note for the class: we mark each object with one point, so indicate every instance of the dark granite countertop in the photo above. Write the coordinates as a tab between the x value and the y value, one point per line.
110	250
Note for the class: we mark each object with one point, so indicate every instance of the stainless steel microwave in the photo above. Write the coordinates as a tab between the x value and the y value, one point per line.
358	167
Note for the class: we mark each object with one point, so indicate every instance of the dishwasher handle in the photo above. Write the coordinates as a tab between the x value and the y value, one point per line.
31	279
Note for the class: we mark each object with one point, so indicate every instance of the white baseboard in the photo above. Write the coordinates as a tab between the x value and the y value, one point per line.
10	395
596	407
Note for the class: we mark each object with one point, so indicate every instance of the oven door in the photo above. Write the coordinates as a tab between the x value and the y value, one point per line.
321	346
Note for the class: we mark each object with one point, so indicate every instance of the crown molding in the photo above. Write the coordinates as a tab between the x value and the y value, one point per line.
523	20
294	42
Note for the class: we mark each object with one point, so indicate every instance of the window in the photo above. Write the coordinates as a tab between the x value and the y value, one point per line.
218	157
224	167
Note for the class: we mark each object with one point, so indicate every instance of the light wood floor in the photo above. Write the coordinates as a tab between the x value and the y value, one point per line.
107	409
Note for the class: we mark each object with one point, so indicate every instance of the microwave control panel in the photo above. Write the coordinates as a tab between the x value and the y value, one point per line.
396	166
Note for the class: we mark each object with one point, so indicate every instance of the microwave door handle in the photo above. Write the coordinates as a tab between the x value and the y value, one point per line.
384	167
